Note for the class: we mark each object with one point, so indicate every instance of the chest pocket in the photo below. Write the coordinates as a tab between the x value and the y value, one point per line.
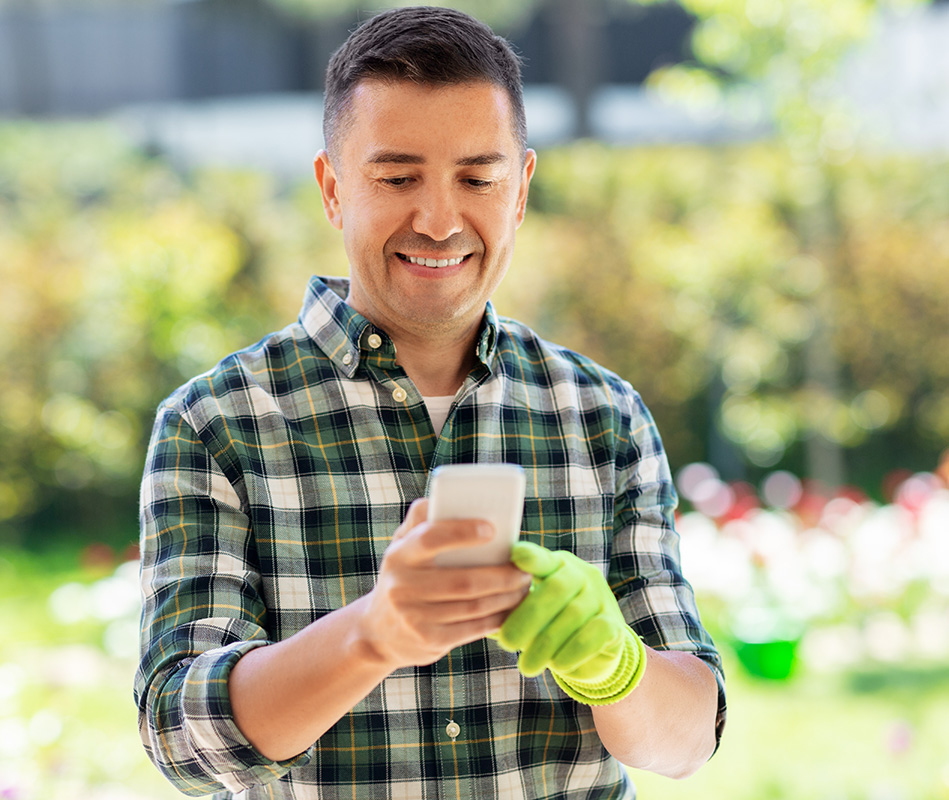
582	524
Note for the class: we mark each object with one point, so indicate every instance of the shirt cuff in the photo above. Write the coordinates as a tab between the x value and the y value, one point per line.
206	719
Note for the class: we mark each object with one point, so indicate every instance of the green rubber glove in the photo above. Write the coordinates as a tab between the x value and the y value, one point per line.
571	624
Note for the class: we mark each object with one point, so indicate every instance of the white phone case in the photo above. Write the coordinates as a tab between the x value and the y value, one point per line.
494	492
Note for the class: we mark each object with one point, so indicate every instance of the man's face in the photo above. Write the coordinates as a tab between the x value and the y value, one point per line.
428	187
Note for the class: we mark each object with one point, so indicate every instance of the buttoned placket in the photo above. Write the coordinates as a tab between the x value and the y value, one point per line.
453	732
451	737
447	727
450	729
374	342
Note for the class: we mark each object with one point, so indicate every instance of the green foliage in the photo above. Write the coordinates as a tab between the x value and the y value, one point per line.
692	272
785	54
121	280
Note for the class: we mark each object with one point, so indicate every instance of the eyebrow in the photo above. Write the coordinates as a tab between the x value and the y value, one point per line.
395	157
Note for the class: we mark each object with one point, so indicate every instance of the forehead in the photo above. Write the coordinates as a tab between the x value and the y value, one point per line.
456	119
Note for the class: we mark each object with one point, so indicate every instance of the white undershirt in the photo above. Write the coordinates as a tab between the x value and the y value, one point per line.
438	408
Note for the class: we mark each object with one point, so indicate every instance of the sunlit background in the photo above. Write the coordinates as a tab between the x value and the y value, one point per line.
741	206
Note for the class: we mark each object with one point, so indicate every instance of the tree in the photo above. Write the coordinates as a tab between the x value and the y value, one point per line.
784	55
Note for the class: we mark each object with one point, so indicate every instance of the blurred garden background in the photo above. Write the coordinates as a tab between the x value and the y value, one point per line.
752	229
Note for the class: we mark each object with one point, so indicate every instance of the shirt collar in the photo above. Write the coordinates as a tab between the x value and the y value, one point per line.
342	333
332	324
488	340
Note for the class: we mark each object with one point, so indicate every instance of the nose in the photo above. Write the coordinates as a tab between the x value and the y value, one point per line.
437	214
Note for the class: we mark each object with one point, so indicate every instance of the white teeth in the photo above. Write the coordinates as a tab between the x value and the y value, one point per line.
436	263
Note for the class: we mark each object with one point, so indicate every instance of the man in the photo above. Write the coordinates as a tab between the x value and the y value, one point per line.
297	639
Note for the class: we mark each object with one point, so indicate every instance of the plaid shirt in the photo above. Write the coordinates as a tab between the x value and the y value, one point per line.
273	485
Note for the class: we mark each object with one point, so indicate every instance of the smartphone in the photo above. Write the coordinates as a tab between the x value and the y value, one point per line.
494	492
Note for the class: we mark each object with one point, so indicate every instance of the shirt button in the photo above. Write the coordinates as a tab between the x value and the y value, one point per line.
374	341
399	395
453	729
348	359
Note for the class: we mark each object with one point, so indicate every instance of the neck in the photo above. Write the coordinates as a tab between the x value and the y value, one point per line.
437	366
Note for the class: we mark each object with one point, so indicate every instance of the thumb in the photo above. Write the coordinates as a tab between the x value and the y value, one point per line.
416	515
534	559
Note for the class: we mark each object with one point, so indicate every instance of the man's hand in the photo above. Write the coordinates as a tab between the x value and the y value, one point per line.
571	624
417	611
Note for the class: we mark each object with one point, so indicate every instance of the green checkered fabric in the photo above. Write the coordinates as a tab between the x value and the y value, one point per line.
273	485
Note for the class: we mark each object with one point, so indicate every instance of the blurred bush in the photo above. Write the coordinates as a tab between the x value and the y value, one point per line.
696	273
758	302
122	279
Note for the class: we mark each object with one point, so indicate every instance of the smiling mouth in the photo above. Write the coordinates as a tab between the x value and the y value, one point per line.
434	263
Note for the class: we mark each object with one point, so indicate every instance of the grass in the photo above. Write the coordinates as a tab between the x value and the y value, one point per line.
68	727
817	737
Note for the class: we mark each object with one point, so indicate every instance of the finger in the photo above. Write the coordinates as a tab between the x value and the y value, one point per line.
480	608
600	639
539	653
417	541
547	599
466	632
534	559
438	639
428	584
451	534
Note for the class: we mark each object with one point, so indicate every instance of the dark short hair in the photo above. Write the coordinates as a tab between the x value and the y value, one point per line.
425	45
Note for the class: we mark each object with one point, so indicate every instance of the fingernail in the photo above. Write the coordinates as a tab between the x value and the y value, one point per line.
485	530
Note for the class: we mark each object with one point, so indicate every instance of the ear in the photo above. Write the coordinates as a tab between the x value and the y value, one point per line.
329	187
530	162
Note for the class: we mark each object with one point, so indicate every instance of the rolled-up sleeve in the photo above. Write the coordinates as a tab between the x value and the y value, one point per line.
645	565
202	611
